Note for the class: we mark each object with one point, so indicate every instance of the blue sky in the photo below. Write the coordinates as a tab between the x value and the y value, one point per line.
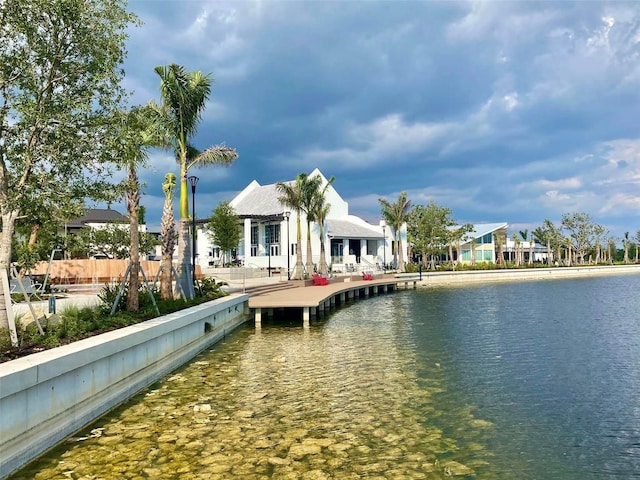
500	111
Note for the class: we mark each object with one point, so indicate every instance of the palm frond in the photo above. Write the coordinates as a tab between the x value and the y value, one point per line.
219	155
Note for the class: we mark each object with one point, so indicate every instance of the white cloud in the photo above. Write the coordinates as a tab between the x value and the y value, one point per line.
511	101
503	22
384	139
620	201
600	38
555	185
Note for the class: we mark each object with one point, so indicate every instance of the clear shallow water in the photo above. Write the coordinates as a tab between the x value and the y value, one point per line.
531	380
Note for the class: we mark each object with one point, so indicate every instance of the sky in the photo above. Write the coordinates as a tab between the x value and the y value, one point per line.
500	111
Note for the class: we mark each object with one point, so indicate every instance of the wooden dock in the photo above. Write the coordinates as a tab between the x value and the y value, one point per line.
312	300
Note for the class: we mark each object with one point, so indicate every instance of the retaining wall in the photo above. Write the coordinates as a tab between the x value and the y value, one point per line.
507	275
47	396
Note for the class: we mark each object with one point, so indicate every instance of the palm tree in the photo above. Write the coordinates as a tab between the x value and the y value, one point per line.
168	236
553	238
291	196
184	95
136	138
524	234
310	189
500	237
395	214
637	243
319	211
543	236
625	244
516	242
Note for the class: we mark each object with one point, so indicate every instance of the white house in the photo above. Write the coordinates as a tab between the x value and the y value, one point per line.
269	234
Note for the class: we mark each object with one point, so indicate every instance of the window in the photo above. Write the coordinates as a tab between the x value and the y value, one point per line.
271	234
466	255
372	247
485	239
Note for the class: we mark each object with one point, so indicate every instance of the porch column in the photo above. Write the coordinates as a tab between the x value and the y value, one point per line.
247	241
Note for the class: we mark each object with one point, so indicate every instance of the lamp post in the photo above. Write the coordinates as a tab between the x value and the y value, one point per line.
384	248
287	214
193	181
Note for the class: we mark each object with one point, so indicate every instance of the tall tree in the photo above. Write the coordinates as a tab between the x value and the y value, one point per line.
224	226
500	237
599	233
457	235
184	96
516	246
625	244
581	231
395	214
137	136
167	236
524	234
428	231
291	196
310	189
60	72
319	211
542	236
554	240
636	239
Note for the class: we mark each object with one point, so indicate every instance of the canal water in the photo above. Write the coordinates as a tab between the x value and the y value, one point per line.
531	380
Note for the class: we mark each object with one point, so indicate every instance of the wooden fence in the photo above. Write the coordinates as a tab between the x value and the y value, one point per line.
82	271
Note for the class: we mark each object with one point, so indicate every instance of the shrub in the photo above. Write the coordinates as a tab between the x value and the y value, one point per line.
74	323
210	289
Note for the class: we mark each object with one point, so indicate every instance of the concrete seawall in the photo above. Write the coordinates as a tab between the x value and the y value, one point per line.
432	279
47	396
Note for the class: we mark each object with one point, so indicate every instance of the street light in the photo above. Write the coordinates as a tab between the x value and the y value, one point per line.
384	248
287	214
193	181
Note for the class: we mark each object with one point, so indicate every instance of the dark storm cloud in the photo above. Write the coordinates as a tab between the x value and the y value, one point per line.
502	111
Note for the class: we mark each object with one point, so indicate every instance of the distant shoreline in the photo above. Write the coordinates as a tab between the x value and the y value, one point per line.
432	279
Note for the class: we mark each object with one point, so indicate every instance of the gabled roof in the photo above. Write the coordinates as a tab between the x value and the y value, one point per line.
347	229
260	201
98	215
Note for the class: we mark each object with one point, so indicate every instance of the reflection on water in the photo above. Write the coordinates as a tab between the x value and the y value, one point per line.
344	399
533	380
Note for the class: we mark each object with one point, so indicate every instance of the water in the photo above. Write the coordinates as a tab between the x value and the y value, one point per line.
531	380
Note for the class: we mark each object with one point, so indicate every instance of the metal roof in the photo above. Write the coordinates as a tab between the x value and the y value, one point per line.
346	229
262	201
481	229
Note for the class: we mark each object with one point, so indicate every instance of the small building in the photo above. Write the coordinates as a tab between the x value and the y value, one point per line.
269	238
100	219
481	242
96	218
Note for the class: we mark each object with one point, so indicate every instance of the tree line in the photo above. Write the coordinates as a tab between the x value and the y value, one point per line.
433	233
